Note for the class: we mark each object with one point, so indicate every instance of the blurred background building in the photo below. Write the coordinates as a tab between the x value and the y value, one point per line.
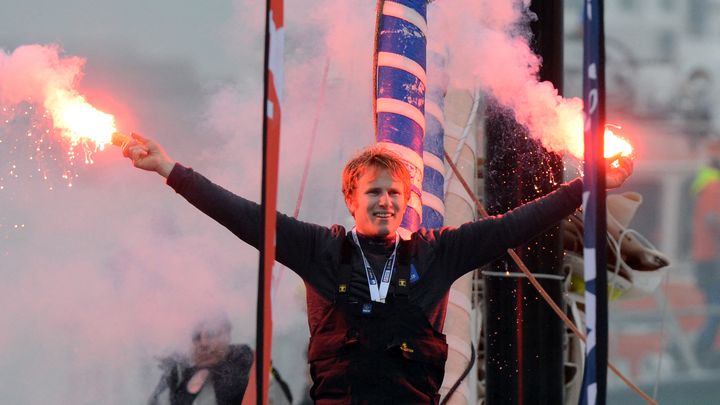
663	66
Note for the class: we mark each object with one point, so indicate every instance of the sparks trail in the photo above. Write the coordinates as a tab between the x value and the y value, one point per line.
39	77
30	148
78	121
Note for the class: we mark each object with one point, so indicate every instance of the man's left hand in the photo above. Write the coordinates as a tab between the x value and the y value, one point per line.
617	170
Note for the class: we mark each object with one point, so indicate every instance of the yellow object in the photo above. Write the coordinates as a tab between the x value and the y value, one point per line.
119	139
705	176
578	286
404	347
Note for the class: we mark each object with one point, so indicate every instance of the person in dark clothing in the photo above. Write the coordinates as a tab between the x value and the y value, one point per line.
216	373
376	301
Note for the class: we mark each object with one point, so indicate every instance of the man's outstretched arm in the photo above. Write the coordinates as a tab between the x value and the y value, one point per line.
296	240
487	239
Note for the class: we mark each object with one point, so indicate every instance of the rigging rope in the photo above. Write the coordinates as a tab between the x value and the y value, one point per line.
306	168
662	336
460	379
313	135
541	290
463	138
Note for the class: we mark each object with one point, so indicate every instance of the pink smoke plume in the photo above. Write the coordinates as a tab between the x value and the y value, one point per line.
488	46
39	75
30	72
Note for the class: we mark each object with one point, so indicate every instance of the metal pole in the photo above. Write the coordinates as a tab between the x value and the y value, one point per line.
274	33
595	224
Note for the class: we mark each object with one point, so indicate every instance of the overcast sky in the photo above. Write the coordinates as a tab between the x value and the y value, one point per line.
191	32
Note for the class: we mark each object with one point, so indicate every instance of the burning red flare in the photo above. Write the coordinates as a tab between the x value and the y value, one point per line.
616	145
78	121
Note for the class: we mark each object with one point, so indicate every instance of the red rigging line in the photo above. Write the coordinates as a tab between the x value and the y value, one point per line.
306	168
313	135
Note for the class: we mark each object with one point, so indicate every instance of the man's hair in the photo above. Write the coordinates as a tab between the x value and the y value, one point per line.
376	157
213	323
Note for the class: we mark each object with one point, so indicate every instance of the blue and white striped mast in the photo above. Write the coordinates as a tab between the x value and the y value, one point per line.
596	306
433	204
400	91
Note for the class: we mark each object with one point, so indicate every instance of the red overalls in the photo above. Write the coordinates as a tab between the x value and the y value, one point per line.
376	353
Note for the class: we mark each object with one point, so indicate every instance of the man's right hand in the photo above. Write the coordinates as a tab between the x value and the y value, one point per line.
148	155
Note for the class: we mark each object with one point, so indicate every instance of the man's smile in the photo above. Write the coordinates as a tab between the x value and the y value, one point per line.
384	215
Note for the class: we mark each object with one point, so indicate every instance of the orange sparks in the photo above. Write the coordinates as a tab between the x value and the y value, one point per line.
78	121
616	145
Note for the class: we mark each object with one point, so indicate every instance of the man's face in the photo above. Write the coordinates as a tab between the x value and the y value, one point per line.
378	203
210	347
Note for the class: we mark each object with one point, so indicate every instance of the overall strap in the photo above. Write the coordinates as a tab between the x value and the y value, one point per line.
342	289
404	259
